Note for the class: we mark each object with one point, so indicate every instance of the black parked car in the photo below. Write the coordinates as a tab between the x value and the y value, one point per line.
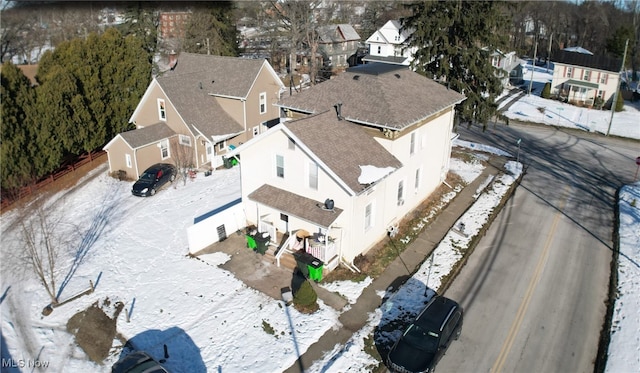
153	178
426	340
137	362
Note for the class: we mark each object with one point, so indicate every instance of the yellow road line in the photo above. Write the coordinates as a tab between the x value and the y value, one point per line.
515	326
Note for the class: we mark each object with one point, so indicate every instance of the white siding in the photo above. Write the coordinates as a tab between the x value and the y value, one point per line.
432	153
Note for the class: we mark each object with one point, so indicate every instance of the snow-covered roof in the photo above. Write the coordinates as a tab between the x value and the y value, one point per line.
578	50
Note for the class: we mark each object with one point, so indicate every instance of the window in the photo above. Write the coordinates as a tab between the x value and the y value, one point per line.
164	149
412	147
587	75
222	145
569	72
313	175
162	113
379	49
401	193
263	103
128	160
368	216
256	131
279	166
185	140
604	78
418	176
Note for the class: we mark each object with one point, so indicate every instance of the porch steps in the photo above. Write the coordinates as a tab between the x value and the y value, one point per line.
286	261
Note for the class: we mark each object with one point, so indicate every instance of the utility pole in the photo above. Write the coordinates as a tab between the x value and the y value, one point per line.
616	93
549	54
535	52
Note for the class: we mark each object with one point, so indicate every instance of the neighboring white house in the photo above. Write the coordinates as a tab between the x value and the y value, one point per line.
388	45
581	78
352	157
508	65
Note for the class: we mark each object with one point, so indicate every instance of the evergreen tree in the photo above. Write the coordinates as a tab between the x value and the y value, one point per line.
454	41
141	19
99	81
17	96
546	91
619	102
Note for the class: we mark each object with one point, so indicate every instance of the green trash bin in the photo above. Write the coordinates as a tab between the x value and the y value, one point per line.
227	162
315	268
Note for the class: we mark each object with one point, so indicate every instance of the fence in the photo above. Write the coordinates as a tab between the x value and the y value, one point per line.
79	164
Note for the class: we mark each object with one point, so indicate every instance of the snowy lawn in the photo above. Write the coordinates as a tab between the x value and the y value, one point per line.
134	250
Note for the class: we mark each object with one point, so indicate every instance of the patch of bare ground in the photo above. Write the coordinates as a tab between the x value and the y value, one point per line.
94	330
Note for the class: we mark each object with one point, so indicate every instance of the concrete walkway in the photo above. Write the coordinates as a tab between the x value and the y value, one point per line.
397	272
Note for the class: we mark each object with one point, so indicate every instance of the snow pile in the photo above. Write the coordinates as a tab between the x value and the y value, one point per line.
624	347
370	174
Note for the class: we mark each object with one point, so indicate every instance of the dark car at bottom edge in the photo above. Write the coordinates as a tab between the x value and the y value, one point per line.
138	362
425	341
153	178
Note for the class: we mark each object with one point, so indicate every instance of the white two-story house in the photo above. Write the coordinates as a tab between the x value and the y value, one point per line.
351	158
389	45
584	79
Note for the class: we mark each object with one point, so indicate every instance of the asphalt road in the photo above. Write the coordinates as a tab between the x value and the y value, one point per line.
535	287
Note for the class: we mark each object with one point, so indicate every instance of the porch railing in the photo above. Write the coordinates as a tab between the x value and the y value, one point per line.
286	248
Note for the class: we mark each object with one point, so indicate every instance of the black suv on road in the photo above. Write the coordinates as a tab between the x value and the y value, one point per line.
427	338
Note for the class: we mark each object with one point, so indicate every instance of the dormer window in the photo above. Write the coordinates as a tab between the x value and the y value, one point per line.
162	113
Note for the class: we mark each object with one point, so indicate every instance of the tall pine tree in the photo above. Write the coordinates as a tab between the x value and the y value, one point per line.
454	42
17	96
100	81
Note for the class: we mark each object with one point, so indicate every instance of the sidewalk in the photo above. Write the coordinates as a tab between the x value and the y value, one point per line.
356	317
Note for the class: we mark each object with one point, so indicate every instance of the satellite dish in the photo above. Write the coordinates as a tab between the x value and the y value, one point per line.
328	204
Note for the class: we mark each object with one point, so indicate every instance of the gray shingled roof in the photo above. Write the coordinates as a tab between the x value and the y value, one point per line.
148	135
295	205
232	76
378	94
337	33
342	146
385	59
189	93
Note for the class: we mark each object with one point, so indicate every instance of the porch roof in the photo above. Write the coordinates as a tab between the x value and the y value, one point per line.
581	83
295	205
141	137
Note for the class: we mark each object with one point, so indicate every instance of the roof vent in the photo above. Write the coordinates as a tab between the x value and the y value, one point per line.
397	75
356	77
200	84
338	107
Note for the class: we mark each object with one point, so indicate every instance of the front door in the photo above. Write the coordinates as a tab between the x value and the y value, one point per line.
209	151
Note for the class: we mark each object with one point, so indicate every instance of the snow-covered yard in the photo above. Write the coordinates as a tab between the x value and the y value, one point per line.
134	250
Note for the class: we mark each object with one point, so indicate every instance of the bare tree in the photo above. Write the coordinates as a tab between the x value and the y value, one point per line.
299	21
183	156
42	240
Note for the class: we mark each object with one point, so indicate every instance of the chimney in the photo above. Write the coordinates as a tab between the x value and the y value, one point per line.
173	59
338	107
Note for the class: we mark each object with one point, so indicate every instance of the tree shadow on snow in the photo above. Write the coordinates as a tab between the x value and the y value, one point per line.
180	354
106	212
